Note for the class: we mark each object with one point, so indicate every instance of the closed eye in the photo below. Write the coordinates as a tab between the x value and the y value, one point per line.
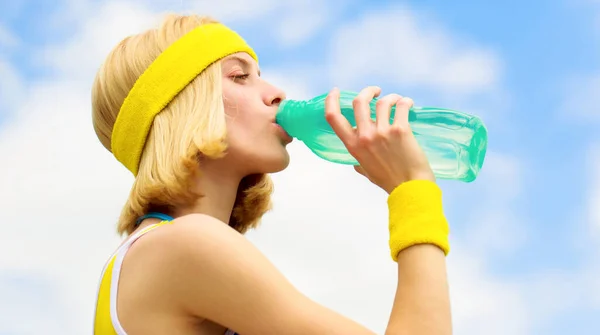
241	77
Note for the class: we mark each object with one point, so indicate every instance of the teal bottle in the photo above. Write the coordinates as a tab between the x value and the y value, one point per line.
455	143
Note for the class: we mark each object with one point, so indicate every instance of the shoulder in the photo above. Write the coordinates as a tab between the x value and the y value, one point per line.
195	235
199	262
195	249
189	259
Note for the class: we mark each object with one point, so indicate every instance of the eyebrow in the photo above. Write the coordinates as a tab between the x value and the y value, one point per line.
241	60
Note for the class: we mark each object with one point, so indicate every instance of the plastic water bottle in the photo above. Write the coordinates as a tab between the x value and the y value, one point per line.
455	143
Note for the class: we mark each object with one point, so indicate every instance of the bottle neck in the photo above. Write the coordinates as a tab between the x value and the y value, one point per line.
293	105
289	114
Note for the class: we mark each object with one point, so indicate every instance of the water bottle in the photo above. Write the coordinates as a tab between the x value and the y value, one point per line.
455	143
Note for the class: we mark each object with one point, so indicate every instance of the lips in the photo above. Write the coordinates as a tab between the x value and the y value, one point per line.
283	134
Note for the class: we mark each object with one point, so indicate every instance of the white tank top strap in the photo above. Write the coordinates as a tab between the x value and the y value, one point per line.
119	255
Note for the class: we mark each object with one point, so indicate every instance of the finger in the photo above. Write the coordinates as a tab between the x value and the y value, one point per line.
401	116
362	108
334	117
384	106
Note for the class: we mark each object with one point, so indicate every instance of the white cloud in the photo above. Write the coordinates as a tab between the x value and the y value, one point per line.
593	205
11	86
582	99
296	29
411	49
580	105
98	34
12	9
303	19
494	225
294	81
61	192
7	39
483	303
96	38
233	10
583	284
29	293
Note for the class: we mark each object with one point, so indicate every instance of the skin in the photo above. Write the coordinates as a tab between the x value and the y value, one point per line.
197	274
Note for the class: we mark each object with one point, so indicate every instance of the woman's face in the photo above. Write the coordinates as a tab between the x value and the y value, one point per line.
256	143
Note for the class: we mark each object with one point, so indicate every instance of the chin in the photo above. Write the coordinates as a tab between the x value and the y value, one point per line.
258	159
277	164
272	161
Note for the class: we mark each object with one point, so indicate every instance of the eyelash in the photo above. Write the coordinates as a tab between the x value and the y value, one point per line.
242	77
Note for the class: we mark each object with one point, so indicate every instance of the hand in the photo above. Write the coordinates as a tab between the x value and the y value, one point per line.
389	155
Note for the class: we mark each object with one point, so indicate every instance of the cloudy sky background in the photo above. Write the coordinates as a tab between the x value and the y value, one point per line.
525	235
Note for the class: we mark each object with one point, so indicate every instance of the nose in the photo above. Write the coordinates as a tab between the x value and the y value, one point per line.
274	96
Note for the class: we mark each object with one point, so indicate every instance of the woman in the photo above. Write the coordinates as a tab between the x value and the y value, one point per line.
184	108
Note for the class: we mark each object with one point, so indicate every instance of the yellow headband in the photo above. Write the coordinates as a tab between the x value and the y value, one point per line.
168	75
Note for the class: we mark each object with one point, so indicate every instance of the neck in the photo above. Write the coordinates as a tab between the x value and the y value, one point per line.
219	189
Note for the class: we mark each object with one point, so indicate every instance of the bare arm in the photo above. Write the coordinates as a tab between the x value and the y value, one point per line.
211	271
422	303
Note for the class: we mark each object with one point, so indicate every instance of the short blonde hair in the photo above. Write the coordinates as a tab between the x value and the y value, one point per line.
191	126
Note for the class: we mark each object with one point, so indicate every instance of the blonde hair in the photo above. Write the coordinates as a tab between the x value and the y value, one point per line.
190	127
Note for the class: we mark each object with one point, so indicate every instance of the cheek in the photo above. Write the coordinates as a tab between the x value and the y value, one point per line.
246	127
238	111
234	99
242	123
242	130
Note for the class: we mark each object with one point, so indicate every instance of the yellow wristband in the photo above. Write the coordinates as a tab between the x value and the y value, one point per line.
417	217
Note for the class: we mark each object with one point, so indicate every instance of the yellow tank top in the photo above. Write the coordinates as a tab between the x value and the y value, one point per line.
106	321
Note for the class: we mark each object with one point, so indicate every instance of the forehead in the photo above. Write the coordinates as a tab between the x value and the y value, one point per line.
240	58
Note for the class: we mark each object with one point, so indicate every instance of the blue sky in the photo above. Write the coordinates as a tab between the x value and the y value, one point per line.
527	222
